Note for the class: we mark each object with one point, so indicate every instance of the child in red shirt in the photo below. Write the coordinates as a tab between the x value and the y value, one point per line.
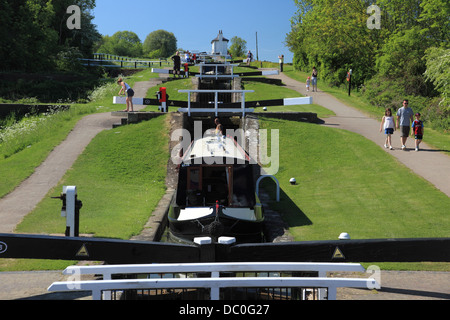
417	127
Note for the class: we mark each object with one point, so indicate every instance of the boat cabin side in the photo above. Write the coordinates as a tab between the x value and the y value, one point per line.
204	185
217	170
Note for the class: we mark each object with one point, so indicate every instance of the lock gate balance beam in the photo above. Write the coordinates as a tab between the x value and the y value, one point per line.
248	104
131	252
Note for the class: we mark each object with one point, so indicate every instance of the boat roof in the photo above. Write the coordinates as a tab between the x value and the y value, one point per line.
215	147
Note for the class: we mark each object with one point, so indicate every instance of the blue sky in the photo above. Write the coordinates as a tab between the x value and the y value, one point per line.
196	24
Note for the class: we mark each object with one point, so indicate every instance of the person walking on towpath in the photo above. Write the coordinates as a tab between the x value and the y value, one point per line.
130	94
388	124
417	127
314	79
405	116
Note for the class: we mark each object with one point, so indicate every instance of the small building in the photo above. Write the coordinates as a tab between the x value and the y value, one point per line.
220	44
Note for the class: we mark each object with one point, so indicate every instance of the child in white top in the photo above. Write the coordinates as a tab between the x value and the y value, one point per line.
308	81
388	124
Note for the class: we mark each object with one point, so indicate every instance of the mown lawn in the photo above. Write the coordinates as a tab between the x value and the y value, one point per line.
120	178
346	183
24	145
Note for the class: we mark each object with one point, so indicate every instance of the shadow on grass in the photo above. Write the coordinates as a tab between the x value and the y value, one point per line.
291	214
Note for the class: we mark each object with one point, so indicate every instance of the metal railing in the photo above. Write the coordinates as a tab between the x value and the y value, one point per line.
216	102
216	73
221	276
115	61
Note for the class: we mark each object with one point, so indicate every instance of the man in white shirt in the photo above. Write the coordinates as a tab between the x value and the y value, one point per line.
281	62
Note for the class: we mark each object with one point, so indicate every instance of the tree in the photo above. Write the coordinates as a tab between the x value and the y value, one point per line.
435	21
26	38
412	27
33	32
122	43
160	44
401	60
83	39
438	71
333	36
69	60
399	14
238	47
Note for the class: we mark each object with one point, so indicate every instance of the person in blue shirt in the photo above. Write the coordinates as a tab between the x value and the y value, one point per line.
405	116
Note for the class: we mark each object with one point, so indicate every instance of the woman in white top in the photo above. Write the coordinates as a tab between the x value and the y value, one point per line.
388	124
130	93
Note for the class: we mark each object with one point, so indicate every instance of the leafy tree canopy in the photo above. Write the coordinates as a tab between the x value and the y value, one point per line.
122	43
33	32
238	47
438	71
160	44
391	62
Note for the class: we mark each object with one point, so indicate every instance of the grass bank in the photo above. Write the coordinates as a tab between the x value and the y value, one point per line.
24	144
120	178
346	183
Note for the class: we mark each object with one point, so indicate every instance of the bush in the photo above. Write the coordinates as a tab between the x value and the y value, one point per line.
47	87
437	115
386	93
69	60
103	91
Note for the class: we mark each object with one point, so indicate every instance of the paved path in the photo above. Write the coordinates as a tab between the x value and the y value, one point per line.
403	285
17	204
32	285
428	163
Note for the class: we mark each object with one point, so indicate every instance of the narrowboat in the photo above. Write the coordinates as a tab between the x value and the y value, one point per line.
216	195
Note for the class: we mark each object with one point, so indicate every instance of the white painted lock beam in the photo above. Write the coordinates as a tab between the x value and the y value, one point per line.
296	101
164	71
123	100
71	194
270	72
